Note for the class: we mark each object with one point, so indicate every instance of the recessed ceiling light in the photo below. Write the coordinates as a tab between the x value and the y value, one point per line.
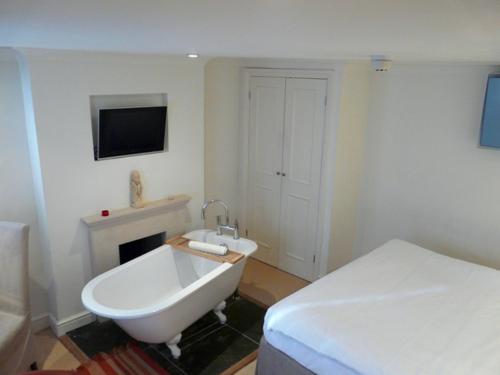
193	55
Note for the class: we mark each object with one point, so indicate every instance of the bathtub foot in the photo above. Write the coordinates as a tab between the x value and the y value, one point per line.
174	348
218	311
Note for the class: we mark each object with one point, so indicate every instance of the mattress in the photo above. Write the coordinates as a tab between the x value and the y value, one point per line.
399	310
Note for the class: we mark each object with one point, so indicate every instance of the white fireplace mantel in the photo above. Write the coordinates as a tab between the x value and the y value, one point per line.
107	233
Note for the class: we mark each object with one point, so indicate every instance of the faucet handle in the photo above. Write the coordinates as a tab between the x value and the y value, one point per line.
236	234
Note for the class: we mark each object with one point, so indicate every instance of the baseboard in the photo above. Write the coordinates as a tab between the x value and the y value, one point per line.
40	322
75	321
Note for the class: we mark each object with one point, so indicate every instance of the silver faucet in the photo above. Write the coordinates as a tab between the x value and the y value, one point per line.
221	227
231	228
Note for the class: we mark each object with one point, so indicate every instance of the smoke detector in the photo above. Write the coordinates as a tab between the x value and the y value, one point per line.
381	63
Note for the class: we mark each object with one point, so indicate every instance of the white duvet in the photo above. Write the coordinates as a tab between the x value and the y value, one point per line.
399	310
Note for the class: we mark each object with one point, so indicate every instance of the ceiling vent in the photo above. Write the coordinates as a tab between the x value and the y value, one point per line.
381	63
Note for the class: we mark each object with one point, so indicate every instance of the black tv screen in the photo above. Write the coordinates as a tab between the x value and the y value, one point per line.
128	131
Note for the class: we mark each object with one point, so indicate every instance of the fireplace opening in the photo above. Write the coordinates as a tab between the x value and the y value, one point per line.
136	248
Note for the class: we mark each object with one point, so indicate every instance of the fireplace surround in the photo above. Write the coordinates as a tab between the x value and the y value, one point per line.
107	233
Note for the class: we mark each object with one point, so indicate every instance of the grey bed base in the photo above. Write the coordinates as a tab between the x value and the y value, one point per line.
272	361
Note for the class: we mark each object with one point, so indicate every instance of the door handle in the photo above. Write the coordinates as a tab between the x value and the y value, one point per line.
283	174
277	173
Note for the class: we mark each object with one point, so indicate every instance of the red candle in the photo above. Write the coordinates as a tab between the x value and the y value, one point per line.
105	213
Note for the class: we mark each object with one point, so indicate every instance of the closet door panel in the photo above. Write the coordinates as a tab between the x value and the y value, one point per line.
267	100
300	135
302	155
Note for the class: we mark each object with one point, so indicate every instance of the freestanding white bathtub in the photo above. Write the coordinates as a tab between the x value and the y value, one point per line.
156	296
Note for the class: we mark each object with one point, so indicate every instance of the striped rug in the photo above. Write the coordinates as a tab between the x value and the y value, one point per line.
126	360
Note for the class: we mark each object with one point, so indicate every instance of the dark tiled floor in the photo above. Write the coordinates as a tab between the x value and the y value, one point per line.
214	352
207	346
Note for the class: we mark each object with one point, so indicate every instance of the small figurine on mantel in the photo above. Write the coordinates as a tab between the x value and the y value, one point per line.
136	199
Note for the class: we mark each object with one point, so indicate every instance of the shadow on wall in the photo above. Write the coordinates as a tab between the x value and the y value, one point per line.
80	246
39	295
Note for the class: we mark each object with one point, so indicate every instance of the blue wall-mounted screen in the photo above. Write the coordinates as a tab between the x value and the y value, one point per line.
490	127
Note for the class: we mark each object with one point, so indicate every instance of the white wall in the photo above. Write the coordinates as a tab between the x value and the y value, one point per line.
74	185
407	164
426	180
222	100
16	187
353	117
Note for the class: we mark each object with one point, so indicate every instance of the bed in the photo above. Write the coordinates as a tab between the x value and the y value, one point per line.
398	310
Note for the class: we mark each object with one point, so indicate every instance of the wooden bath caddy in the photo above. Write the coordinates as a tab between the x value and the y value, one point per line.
181	243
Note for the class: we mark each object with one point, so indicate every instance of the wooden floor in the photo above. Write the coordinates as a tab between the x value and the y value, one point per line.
248	369
51	354
260	283
267	285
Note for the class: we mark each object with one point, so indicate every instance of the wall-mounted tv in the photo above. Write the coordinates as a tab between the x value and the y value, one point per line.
131	131
490	127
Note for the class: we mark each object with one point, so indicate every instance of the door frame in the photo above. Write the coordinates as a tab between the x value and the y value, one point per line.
333	77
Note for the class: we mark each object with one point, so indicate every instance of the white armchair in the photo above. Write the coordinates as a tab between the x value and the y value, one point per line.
16	347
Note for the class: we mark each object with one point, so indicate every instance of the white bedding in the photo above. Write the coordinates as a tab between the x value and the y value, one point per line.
399	310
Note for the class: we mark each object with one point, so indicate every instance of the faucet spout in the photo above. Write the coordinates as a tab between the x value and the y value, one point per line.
215	201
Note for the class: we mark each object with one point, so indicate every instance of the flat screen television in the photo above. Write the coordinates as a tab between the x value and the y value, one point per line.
130	131
490	126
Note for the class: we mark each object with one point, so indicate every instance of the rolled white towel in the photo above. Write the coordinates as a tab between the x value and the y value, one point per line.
208	247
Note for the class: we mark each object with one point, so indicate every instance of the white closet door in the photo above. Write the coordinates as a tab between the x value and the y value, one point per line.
302	156
267	100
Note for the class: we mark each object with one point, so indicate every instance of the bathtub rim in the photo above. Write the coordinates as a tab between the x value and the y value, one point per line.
97	308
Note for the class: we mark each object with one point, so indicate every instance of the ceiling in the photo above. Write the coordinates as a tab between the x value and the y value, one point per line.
428	30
